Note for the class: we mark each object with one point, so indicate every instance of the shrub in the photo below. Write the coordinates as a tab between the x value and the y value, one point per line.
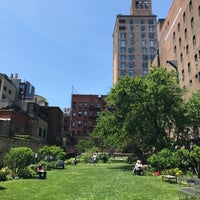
26	173
18	158
173	172
3	176
104	157
52	153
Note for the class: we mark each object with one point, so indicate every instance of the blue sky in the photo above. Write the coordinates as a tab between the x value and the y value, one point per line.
58	45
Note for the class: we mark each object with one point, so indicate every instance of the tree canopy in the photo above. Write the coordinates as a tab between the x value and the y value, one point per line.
145	112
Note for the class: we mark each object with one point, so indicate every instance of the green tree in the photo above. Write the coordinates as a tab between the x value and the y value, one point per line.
17	159
190	157
192	113
146	110
52	152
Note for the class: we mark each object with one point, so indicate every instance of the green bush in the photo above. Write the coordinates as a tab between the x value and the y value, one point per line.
173	172
18	158
26	173
104	157
3	176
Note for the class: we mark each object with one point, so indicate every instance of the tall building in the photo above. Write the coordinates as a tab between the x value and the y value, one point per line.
134	41
179	42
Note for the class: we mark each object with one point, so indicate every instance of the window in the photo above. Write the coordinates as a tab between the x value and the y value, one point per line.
180	43
152	57
131	28
144	50
123	65
174	35
122	57
145	57
192	23
189	68
152	43
85	113
142	28
73	123
131	21
123	72
199	10
175	49
131	35
131	73
143	35
194	40
152	50
151	35
142	21
184	16
131	57
143	43
178	27
85	104
145	65
122	35
151	28
98	113
131	64
80	105
187	49
186	34
122	21
151	21
79	123
122	43
91	105
131	50
79	113
181	57
195	58
74	113
190	5
123	50
191	83
183	74
122	28
132	43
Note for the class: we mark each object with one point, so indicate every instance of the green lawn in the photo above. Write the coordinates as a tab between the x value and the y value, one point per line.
86	182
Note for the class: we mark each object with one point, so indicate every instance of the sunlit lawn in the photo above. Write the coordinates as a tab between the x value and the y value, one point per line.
86	182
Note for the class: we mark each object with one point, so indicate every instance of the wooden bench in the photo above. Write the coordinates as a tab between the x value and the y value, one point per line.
189	187
169	178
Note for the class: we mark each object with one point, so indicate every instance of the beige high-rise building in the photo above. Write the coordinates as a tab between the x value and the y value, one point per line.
134	41
179	42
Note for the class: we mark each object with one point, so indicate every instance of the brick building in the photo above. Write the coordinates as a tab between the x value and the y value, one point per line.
134	41
179	42
85	109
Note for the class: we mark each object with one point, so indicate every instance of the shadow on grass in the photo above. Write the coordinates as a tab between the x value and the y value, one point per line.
2	188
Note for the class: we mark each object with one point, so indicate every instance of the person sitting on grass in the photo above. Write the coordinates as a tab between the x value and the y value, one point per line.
138	169
41	171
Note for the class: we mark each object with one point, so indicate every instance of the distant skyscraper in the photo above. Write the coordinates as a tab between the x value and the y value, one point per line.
134	41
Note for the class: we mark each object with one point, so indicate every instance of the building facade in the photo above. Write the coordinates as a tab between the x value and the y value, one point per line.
8	91
85	109
134	41
179	42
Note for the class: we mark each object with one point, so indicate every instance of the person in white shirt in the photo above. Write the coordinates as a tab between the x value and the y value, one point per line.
138	169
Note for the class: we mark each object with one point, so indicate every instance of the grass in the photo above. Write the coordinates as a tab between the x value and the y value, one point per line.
86	182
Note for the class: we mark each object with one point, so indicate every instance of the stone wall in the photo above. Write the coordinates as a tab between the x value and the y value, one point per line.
7	143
